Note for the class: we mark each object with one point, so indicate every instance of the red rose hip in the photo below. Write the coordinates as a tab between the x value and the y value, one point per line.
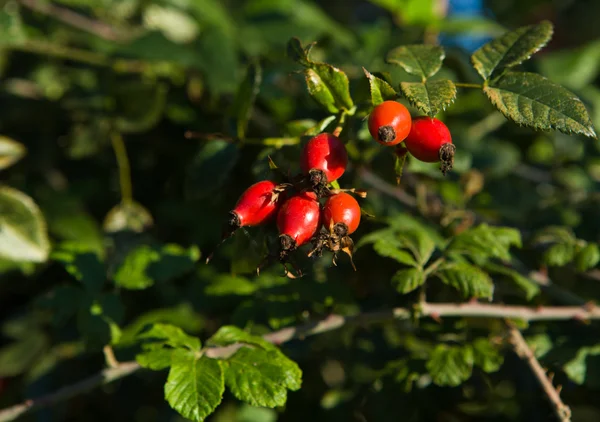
257	205
326	155
298	220
341	213
430	141
389	123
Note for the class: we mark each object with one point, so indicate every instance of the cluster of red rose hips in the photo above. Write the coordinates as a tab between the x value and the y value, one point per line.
296	204
426	138
308	210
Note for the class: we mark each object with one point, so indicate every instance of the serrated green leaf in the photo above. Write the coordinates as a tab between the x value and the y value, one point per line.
328	85
529	287
23	232
148	264
588	257
128	216
380	89
430	97
82	263
169	335
450	365
559	254
533	101
486	355
195	385
408	280
230	334
245	97
418	59
468	279
419	242
511	49
483	242
583	368
393	249
261	377
10	152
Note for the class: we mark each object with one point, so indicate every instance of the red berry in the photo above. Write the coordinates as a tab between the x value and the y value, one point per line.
426	137
327	153
430	141
298	220
342	213
389	123
257	205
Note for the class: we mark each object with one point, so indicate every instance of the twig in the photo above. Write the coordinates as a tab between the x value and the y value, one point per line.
124	169
563	412
74	19
330	323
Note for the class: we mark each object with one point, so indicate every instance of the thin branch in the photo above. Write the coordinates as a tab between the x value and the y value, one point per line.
330	323
124	169
563	412
74	19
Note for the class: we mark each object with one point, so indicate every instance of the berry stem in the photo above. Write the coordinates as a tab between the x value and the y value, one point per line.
118	146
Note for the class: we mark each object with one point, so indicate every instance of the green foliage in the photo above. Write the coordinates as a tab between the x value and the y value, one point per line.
10	152
468	279
420	60
430	97
380	90
450	365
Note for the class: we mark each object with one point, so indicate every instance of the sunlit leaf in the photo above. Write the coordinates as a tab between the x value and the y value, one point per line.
380	89
430	97
469	280
10	152
408	280
419	59
450	365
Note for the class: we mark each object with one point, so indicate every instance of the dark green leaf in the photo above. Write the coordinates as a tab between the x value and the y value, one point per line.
408	280
430	97
156	358
486	355
531	100
588	257
394	249
319	91
23	233
583	368
170	335
470	280
246	95
297	52
18	356
511	49
450	365
10	152
82	263
225	284
483	242
380	89
98	319
559	254
128	216
210	168
148	264
419	59
195	385
529	287
261	377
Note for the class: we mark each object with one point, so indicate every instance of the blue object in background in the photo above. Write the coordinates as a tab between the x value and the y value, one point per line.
465	9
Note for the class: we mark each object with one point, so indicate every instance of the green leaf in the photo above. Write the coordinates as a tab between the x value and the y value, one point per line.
486	355
170	335
10	152
23	233
230	334
483	242
468	279
261	377
155	359
588	257
328	85
408	280
128	216
430	97
148	264
554	234
141	106
419	59
82	263
98	318
533	101
583	368
393	250
450	365
18	356
380	89
210	168
529	287
225	284
195	385
246	95
511	49
559	254
574	68
418	242
399	161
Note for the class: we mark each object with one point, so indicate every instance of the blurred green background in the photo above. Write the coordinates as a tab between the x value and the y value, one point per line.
80	79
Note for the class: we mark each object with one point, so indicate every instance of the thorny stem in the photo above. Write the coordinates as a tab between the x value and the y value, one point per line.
563	412
330	323
124	169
